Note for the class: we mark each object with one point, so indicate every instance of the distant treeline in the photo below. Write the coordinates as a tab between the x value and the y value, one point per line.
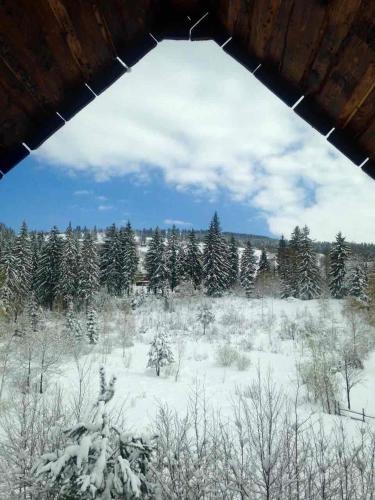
364	250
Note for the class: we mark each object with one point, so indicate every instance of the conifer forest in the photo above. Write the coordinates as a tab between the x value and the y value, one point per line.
182	364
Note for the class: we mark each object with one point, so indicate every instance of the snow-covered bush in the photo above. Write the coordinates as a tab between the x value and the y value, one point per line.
289	329
232	318
98	460
160	353
319	377
247	343
30	424
226	355
243	362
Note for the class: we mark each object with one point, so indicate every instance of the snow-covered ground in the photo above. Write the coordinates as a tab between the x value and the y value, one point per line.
254	328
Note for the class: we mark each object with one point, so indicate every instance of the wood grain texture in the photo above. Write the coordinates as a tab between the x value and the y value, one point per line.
324	50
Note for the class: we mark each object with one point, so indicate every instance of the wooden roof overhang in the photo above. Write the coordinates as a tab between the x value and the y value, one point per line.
318	56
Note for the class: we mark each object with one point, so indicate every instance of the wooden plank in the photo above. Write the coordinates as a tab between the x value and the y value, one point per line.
342	82
14	121
25	53
235	17
127	21
339	16
84	33
362	115
304	31
263	18
362	97
274	51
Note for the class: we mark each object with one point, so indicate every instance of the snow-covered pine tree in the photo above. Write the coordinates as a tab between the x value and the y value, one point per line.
337	274
129	258
309	285
89	270
16	269
263	265
73	326
48	272
67	289
92	326
248	269
160	353
155	262
109	265
193	266
172	251
11	291
283	267
358	283
99	461
182	261
33	312
36	243
294	262
23	262
233	258
263	275
215	260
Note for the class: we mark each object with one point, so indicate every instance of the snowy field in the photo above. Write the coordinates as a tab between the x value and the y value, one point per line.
246	409
255	331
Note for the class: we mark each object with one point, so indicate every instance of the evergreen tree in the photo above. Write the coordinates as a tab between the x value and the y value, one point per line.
155	262
160	353
337	273
233	258
98	461
48	271
23	257
128	258
67	288
109	266
358	283
92	327
264	265
215	260
248	269
73	326
193	266
294	262
172	254
89	270
283	267
309	275
36	243
13	289
263	275
205	316
33	313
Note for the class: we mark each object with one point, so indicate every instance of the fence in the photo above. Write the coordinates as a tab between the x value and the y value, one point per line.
354	415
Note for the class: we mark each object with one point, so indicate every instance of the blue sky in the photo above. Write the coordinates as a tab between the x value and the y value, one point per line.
45	196
186	132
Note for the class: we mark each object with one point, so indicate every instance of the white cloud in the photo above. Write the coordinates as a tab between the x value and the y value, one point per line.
102	208
176	222
101	198
192	113
82	192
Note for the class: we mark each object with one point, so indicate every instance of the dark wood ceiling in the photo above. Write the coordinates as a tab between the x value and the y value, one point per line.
56	56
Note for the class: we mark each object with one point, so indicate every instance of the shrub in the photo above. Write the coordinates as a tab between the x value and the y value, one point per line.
226	355
243	362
